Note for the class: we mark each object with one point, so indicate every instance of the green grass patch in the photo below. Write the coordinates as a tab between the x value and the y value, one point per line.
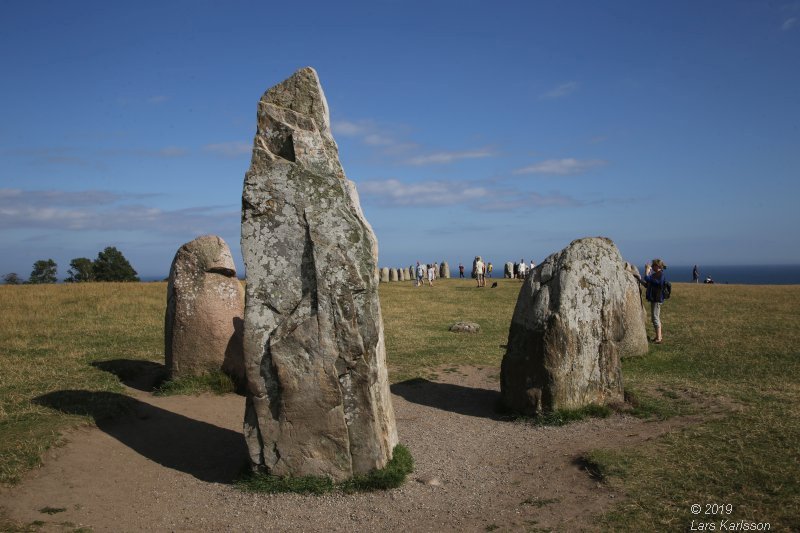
563	417
216	382
391	476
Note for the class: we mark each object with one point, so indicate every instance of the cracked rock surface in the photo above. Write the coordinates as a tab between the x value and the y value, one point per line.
205	308
318	398
577	313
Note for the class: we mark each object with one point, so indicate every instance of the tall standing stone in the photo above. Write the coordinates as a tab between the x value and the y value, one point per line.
203	323
393	276
576	315
508	270
385	275
318	400
444	270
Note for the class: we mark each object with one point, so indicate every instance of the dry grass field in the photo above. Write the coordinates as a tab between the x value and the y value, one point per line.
730	360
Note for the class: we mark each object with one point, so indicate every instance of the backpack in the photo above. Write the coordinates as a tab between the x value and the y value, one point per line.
666	290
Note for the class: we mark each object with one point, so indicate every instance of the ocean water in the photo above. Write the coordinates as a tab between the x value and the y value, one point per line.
747	275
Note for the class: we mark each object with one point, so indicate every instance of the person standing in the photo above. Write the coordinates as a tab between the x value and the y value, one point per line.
489	269
431	274
420	274
654	279
522	268
533	265
461	270
479	272
696	274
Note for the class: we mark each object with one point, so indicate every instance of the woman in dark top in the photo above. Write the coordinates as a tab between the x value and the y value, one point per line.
654	279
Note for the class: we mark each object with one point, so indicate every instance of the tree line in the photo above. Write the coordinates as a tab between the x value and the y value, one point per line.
110	265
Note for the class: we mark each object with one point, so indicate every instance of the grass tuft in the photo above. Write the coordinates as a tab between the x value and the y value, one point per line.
214	382
563	417
391	476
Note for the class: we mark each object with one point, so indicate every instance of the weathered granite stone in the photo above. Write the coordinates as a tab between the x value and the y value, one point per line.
465	327
508	270
318	400
634	343
407	273
393	276
573	320
203	323
385	275
401	275
444	270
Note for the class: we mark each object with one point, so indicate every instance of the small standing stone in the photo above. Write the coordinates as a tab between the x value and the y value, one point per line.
203	323
385	275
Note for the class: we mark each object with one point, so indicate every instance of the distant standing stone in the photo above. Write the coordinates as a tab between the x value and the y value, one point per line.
203	323
385	275
444	270
393	274
401	275
318	401
574	318
508	270
465	327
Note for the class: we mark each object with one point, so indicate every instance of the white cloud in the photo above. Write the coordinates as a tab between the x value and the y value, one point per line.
449	157
479	196
560	91
789	23
372	134
105	211
561	167
347	128
229	149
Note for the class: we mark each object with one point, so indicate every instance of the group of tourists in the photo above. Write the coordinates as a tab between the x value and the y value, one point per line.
423	270
521	269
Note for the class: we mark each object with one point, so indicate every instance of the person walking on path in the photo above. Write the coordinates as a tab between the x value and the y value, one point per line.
431	274
654	279
489	269
696	274
461	270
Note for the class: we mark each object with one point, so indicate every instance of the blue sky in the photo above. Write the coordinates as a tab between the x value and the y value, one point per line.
503	129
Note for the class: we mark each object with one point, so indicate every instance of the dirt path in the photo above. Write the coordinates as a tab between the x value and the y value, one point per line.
169	468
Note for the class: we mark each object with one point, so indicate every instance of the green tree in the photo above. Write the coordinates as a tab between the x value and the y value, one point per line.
44	271
111	265
12	279
80	269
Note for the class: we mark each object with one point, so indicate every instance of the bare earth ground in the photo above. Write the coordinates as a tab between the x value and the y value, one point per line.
170	467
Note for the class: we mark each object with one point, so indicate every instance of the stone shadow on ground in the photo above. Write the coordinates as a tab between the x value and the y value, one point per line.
459	399
205	451
135	373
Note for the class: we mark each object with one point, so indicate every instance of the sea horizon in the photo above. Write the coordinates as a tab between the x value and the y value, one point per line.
725	274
